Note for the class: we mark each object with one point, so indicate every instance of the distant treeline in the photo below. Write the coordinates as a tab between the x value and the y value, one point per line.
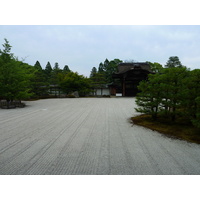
19	80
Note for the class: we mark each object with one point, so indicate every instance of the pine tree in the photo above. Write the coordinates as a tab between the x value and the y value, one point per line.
163	93
93	72
38	66
55	74
48	68
191	93
149	97
173	90
100	68
66	69
56	66
40	84
173	62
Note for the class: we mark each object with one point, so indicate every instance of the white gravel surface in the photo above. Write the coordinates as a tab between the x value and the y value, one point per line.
88	136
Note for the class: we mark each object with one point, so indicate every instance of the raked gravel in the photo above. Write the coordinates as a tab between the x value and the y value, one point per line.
84	136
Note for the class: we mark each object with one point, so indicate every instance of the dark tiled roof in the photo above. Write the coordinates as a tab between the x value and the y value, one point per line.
124	67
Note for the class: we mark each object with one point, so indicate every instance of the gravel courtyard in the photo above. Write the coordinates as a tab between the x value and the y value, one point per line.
88	136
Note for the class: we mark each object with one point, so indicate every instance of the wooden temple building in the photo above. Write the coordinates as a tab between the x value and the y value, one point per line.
128	77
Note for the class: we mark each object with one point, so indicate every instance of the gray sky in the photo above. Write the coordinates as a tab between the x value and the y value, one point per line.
82	47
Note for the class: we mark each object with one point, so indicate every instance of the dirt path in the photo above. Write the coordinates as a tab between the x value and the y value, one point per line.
87	136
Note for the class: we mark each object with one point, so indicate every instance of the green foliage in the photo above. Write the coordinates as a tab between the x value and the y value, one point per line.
63	80
56	67
173	62
196	120
39	81
38	66
164	93
98	80
48	69
156	67
172	90
19	80
14	76
149	98
72	82
55	74
66	69
104	73
192	94
100	69
172	94
109	68
93	72
6	56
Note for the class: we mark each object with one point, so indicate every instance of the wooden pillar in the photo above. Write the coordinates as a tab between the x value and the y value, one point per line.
123	87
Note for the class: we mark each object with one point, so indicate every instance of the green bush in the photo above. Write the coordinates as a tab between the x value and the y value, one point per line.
174	94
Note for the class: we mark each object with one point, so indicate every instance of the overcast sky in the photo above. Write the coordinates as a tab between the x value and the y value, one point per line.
85	46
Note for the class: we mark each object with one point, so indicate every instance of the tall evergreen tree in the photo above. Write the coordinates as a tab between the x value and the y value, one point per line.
111	68
56	66
93	72
108	68
100	68
105	64
40	84
66	69
14	76
38	66
173	62
55	74
48	72
48	68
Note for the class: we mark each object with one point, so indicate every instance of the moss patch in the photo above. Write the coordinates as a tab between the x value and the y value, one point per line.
177	130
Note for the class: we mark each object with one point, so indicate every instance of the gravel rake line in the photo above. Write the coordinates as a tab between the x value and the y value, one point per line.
88	136
35	160
18	117
60	162
15	156
28	134
152	161
61	132
128	157
121	161
87	161
51	119
6	164
104	166
181	163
